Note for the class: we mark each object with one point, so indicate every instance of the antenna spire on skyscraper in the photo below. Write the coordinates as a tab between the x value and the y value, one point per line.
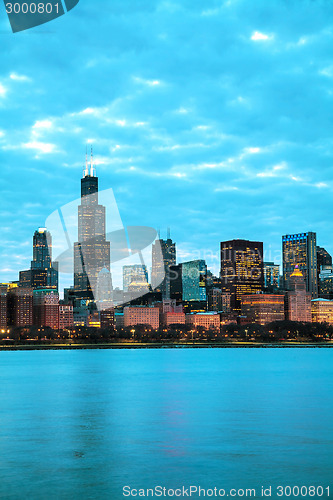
91	162
85	169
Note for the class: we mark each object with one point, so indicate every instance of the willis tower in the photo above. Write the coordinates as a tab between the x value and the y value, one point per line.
92	250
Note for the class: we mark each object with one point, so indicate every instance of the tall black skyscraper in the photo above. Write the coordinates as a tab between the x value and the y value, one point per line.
168	249
91	251
43	273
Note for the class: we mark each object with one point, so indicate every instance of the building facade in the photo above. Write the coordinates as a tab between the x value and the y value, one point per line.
163	256
66	317
43	272
135	277
46	308
194	275
208	320
271	275
20	306
173	318
298	300
263	308
301	250
92	250
322	311
242	270
136	315
218	300
3	306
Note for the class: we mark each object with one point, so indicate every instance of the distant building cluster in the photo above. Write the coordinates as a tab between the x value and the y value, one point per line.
247	290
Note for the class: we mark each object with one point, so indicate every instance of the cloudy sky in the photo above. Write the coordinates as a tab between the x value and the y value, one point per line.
212	117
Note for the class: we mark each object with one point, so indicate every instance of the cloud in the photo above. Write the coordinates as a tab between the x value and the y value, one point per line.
222	109
257	36
40	147
19	78
3	90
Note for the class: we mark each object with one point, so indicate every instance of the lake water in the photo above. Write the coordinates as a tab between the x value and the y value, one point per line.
84	424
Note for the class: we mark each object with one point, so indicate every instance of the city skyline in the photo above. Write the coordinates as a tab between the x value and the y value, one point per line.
92	229
231	133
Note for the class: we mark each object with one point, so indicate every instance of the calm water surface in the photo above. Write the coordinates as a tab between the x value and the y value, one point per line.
83	424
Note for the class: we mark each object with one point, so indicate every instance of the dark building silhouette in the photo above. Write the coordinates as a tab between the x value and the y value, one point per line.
159	266
323	258
176	284
43	273
91	251
107	318
241	269
324	273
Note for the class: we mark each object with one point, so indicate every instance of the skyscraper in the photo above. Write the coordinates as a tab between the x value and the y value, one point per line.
168	249
176	284
300	249
194	275
271	275
241	269
43	273
92	250
298	300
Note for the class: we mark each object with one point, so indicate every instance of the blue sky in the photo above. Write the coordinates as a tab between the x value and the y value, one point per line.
211	117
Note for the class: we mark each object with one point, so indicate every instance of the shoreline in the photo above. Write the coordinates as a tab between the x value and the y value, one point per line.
157	345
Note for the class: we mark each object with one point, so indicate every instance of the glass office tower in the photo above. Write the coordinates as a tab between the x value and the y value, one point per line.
300	249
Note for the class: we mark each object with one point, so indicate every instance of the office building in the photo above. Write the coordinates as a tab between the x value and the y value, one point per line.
271	275
324	273
136	315
301	250
43	273
46	308
194	275
325	283
207	320
3	306
322	311
92	250
135	278
66	316
163	256
176	283
20	306
94	320
107	318
241	269
298	300
218	300
263	308
173	318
